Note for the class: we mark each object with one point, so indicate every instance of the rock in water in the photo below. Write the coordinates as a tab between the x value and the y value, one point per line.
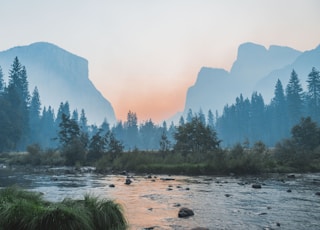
256	186
128	181
185	212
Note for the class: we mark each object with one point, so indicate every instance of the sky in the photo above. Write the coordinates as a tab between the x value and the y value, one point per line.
144	54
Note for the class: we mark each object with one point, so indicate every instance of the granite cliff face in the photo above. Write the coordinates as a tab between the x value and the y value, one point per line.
60	76
255	69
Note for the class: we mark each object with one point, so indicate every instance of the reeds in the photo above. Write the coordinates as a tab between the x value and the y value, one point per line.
24	210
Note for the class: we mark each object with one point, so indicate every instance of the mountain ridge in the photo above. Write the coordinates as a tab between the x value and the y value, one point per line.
253	65
60	76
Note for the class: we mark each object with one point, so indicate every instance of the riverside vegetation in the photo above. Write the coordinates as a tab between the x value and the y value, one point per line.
196	152
24	210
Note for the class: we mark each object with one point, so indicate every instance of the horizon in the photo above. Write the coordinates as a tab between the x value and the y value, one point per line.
143	56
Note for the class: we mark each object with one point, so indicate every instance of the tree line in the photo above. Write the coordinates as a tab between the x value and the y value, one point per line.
251	120
24	122
232	142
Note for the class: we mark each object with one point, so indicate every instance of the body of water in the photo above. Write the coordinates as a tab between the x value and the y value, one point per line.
218	202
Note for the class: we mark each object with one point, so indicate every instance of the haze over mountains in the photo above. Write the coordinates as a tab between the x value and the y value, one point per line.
255	69
60	76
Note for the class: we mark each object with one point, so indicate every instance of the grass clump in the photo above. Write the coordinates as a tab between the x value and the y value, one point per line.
24	210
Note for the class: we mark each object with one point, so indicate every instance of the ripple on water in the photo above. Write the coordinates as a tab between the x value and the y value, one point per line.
149	203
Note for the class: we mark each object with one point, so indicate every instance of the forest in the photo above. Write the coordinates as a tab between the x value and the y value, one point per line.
244	134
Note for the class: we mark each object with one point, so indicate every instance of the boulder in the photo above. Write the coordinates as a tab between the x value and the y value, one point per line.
185	212
128	181
318	193
112	185
256	186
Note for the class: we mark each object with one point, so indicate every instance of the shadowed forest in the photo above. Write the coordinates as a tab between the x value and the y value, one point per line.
249	136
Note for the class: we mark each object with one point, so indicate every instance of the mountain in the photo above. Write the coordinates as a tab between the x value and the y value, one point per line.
302	66
255	69
60	76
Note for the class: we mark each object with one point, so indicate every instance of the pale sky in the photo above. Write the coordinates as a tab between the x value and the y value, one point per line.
143	55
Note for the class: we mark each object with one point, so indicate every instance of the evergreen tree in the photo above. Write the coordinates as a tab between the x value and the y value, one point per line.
72	143
257	121
313	94
18	96
132	134
171	132
48	129
164	143
64	108
118	131
181	121
75	115
114	146
242	119
278	113
294	99
306	134
83	122
97	147
210	119
189	116
148	134
34	117
9	131
1	81
105	127
202	117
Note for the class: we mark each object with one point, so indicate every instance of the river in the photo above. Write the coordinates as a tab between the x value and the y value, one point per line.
218	202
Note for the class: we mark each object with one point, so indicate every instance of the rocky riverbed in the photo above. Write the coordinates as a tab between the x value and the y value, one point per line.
273	201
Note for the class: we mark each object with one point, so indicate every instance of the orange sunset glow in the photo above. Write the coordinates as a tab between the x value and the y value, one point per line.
144	55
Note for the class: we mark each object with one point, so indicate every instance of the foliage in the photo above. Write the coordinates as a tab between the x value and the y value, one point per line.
23	210
301	151
73	143
194	136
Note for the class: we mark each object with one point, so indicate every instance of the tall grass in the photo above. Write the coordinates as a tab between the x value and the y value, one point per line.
23	210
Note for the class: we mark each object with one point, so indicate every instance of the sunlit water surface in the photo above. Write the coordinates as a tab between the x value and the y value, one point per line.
218	202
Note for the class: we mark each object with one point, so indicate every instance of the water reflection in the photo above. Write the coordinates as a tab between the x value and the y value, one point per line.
218	202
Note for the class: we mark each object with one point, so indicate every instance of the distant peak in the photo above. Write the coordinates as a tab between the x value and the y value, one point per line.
250	48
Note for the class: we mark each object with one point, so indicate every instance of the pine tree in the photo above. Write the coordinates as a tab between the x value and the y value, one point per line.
313	94
189	116
210	119
18	96
75	115
83	122
131	125
181	121
105	127
64	108
34	117
1	81
48	129
279	122
202	117
294	99
257	121
97	147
